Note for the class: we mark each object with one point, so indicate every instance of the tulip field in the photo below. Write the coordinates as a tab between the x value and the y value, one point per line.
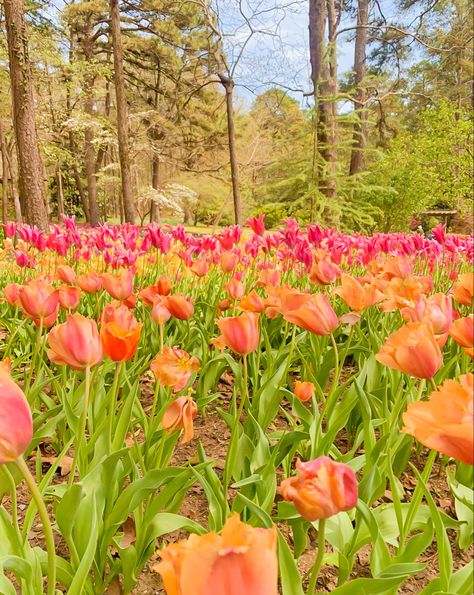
245	412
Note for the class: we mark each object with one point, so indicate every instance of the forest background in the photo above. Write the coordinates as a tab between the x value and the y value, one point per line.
352	113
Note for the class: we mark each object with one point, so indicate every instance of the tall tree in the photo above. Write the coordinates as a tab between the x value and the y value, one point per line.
30	166
122	113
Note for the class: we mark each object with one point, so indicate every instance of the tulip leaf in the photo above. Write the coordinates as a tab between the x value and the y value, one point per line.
289	575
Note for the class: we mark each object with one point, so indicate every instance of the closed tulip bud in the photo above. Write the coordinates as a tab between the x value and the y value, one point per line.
240	333
179	416
180	306
462	331
464	289
16	424
40	302
75	343
11	293
235	289
315	315
90	282
445	422
413	350
322	488
66	274
160	312
303	390
163	285
174	367
241	560
119	286
69	297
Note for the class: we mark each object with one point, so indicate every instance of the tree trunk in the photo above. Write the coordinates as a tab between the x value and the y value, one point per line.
13	192
359	139
155	184
122	115
228	85
3	152
60	195
30	167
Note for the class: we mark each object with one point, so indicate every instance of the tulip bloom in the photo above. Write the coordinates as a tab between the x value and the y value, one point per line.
120	337
180	306
120	286
252	302
200	268
161	289
11	293
357	296
436	310
413	350
179	416
445	422
257	224
324	272
235	289
241	560
160	312
462	331
69	297
40	302
174	367
66	274
464	289
303	390
75	343
16	424
90	282
321	489
228	261
315	316
240	333
401	293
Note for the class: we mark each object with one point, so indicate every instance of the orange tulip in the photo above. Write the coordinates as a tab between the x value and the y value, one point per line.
69	297
435	310
117	312
462	331
200	268
269	277
240	333
252	302
180	306
393	266
228	261
90	282
179	416
321	489
75	343
357	296
324	271
16	424
315	316
11	293
120	334
242	560
119	286
412	349
40	302
464	289
235	288
66	274
160	312
174	367
163	285
445	422
303	390
401	293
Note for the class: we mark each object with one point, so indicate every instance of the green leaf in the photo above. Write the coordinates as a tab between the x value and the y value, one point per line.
289	576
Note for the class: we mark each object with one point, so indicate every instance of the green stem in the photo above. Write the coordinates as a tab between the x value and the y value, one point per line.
113	403
47	529
12	336
244	397
11	481
319	558
35	355
337	370
433	384
82	426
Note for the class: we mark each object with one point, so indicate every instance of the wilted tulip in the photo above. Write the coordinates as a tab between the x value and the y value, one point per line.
40	302
179	416
119	286
462	331
413	350
445	422
75	343
240	333
303	390
241	560
464	289
16	424
321	489
180	306
174	367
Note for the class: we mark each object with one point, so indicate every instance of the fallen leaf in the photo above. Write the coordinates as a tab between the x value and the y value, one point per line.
65	465
129	533
114	588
